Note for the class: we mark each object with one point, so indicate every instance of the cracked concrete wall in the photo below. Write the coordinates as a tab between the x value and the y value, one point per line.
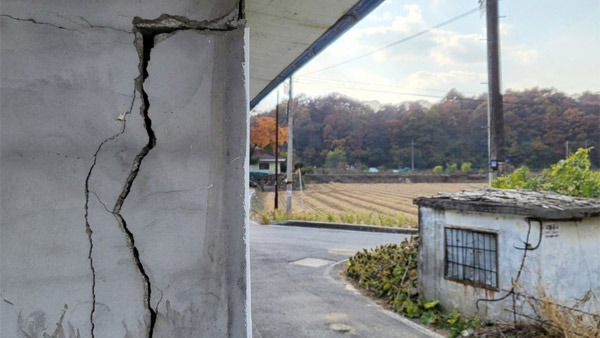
123	169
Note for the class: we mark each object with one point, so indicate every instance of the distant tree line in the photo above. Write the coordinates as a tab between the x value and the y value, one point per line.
336	129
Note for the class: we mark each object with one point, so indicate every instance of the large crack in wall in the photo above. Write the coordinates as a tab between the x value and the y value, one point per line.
88	228
146	33
144	42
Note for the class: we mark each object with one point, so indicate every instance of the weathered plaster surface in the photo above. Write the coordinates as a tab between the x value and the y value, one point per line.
563	267
122	170
115	14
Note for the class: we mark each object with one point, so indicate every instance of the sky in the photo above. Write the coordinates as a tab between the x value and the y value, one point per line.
545	44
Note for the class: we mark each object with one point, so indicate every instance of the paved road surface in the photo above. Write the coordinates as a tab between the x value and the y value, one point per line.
296	291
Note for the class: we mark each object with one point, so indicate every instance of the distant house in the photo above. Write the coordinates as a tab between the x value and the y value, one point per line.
501	254
266	164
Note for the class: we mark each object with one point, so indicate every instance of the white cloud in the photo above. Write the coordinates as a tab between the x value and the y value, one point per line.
521	54
410	22
504	29
387	55
443	80
453	49
407	23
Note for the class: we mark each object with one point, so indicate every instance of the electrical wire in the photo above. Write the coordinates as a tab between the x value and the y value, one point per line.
372	90
458	17
323	80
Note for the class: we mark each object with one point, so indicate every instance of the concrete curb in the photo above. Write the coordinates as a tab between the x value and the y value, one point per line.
347	226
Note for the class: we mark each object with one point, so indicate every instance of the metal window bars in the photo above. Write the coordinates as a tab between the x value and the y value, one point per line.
471	257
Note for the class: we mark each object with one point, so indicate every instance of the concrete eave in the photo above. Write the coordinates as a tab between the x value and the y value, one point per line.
287	34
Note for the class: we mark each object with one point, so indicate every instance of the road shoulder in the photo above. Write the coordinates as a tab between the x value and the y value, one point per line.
334	274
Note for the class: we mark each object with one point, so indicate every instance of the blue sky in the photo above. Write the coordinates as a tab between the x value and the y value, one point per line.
553	43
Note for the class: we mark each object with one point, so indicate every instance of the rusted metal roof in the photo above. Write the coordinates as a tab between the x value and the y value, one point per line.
536	204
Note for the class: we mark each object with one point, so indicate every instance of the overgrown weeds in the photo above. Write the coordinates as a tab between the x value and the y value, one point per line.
390	272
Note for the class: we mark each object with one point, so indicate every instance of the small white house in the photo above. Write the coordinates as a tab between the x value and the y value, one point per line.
266	164
499	253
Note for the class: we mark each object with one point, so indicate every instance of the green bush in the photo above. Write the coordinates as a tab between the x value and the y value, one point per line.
451	168
438	169
335	159
308	170
387	271
465	167
522	178
572	176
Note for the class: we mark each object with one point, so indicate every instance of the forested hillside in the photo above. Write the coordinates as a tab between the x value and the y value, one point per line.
538	124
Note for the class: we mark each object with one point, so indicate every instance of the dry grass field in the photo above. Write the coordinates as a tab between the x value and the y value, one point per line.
380	203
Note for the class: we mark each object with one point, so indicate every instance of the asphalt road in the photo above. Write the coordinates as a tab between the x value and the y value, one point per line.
297	290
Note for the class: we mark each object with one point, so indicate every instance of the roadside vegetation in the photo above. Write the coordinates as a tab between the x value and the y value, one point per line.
352	217
389	272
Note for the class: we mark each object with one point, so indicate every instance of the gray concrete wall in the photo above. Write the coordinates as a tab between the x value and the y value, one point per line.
123	169
564	267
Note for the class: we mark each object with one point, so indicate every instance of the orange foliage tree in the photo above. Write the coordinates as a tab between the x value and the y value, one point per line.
262	132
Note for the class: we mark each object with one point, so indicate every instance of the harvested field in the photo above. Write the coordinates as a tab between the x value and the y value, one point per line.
355	201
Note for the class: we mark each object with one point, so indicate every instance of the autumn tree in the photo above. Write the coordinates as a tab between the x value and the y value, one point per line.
262	133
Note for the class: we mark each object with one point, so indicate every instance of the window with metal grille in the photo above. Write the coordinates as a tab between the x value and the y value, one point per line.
472	257
263	166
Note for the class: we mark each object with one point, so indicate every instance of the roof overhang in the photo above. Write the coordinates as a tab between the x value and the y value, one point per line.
286	34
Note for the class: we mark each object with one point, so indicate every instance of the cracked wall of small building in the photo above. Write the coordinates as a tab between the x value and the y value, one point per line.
123	169
561	267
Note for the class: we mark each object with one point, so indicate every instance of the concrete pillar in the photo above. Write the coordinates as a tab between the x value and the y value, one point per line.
123	169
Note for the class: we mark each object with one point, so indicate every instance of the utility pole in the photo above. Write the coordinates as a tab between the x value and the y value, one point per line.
566	148
412	154
495	113
290	152
277	152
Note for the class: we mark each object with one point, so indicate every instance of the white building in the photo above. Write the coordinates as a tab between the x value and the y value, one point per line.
497	253
266	164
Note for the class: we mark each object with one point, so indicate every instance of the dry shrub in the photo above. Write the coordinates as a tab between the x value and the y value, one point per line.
581	320
265	218
520	330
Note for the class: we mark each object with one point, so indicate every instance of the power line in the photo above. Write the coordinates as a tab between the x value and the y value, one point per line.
458	17
369	90
317	80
